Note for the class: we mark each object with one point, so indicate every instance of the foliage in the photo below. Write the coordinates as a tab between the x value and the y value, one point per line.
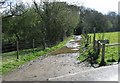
47	24
10	62
91	18
88	54
111	52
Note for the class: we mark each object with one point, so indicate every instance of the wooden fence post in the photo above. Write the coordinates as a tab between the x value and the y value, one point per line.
90	39
17	49
94	39
118	57
103	63
33	45
98	47
87	37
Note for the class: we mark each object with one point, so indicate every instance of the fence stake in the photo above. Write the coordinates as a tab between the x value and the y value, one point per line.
33	45
17	49
98	47
90	39
103	63
94	39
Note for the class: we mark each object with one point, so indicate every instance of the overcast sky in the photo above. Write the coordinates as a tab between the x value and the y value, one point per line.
103	6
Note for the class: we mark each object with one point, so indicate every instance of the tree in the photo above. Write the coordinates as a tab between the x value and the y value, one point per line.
113	20
57	17
47	23
91	18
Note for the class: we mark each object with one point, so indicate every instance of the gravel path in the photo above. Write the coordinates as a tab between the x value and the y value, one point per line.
49	67
44	68
62	67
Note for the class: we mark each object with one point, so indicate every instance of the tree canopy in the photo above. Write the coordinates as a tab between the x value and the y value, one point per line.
49	23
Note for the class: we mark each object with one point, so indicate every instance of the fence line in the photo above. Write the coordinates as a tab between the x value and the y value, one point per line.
101	44
21	47
115	44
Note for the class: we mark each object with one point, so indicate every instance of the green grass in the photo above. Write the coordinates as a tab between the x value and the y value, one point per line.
11	56
111	36
9	59
83	53
111	52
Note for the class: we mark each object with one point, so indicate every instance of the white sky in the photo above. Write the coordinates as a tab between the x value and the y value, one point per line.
103	6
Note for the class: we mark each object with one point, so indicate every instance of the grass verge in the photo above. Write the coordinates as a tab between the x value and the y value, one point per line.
9	64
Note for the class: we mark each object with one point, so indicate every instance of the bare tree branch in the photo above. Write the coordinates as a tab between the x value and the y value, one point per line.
38	9
17	10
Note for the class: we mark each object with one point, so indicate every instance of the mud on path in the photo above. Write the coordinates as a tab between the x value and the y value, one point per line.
44	68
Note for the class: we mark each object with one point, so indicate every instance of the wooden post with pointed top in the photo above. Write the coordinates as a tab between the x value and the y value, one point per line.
90	39
103	63
94	38
17	49
33	45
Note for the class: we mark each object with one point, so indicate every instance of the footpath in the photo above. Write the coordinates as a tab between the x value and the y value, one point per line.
62	67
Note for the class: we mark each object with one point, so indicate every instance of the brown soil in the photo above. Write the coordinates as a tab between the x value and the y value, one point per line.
63	50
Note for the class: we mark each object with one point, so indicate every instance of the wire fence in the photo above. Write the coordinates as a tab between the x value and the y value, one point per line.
22	45
20	48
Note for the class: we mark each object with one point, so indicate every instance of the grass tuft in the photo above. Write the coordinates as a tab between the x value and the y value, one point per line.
10	63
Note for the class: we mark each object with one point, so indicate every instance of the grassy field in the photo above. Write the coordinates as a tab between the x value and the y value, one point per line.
111	36
111	52
9	61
